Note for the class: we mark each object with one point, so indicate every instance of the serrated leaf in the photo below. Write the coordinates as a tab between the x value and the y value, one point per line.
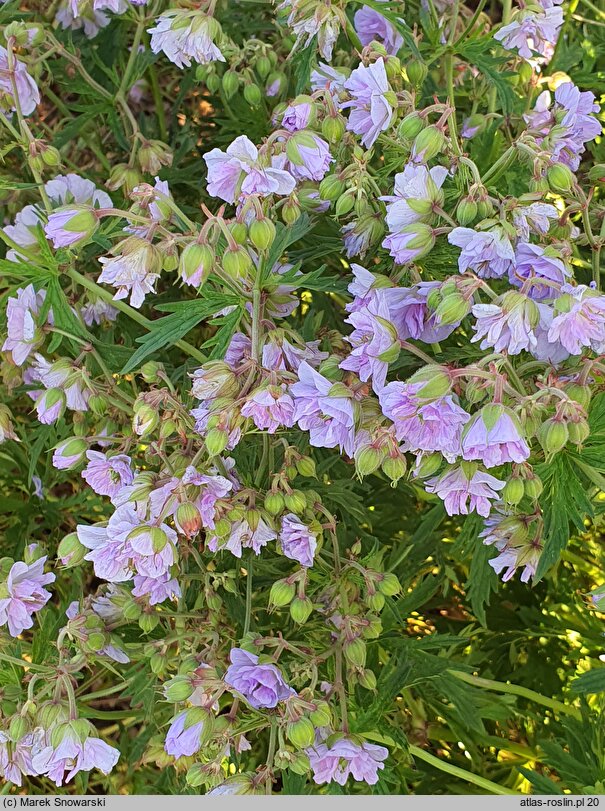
592	681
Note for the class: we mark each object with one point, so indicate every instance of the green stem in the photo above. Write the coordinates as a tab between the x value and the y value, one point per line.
456	771
449	80
500	166
517	690
4	657
125	83
271	755
249	575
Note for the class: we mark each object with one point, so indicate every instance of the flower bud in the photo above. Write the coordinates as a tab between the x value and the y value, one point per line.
290	212
436	381
70	551
367	679
533	487
301	733
428	465
282	593
69	453
367	460
236	262
389	585
124	175
178	688
513	491
394	467
188	519
452	309
306	467
331	187
321	716
295	501
355	652
131	610
467	210
580	394
145	420
196	263
553	435
147	622
153	155
560	177
333	128
252	94
417	72
596	173
274	503
428	143
411	126
262	233
301	609
216	441
375	601
578	432
263	66
345	203
239	232
230	83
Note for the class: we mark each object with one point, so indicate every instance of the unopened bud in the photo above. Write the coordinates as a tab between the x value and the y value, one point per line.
301	733
301	609
282	593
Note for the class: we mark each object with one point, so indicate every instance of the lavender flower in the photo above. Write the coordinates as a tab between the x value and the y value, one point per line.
417	190
185	36
328	417
309	20
240	171
539	270
534	218
184	738
509	325
261	685
28	95
72	755
297	115
374	342
243	536
23	333
372	101
370	25
156	589
488	253
23	594
70	225
16	757
494	436
134	271
426	425
346	756
270	408
458	485
532	33
98	312
297	541
581	320
518	549
309	156
107	475
69	453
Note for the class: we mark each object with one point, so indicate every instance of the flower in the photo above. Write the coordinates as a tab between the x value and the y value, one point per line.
517	546
309	20
239	172
328	418
346	756
509	325
23	594
66	382
374	342
184	738
77	14
23	334
97	312
28	95
70	225
107	475
69	453
261	685
370	25
309	156
185	36
488	253
493	435
297	541
134	270
426	425
581	320
270	408
411	242
297	115
15	757
459	484
534	218
535	267
417	190
242	536
72	755
156	589
371	103
532	33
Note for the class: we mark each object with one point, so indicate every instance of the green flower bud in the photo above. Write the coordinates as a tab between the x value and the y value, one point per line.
213	82
411	126
236	262
18	727
428	465
578	393
290	212
301	609
131	610
252	95
436	381
560	177
216	441
355	652
179	688
282	593
322	715
262	233
429	143
375	601
533	487
147	622
331	187
306	467
301	733
188	519
96	641
417	72
295	501
596	173
196	263
345	203
367	679
230	83
467	211
394	467
452	309
274	503
367	461
263	66
578	432
70	551
145	420
389	585
553	435
157	663
513	491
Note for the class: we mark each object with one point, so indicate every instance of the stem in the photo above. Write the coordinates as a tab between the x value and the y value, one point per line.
271	755
501	165
517	690
124	84
249	574
456	771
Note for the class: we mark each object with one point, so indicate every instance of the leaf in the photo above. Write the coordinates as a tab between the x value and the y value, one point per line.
302	63
220	340
285	237
542	784
591	682
476	51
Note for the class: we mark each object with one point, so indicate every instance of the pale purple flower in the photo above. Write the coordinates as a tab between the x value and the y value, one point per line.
581	320
323	22
16	758
515	552
534	218
68	453
134	273
552	351
315	157
371	25
280	354
360	235
61	376
270	408
23	332
508	326
371	103
240	171
28	94
297	541
238	351
346	756
488	253
98	312
422	424
412	317
409	243
465	489
242	536
157	589
562	129
186	36
262	685
212	488
25	595
419	185
184	740
373	340
107	474
532	33
329	419
76	14
72	755
325	77
535	267
469	129
493	436
296	116
50	406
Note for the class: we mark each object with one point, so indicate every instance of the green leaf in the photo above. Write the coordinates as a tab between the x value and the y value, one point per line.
592	681
542	784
